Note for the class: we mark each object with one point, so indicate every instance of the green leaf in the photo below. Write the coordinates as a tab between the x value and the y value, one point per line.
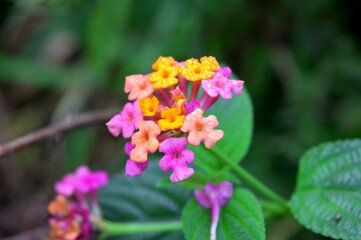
127	199
235	118
241	218
327	199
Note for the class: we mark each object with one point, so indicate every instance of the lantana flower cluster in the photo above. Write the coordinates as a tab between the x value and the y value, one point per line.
161	115
74	219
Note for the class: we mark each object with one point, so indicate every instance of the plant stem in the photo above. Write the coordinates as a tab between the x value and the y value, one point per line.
114	228
254	182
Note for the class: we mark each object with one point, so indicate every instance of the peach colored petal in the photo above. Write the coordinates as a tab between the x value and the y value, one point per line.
145	141
138	86
201	129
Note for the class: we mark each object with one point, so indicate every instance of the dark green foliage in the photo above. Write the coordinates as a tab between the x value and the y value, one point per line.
328	193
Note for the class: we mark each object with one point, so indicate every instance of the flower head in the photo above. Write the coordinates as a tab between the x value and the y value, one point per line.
176	158
162	62
171	119
82	181
138	86
214	197
126	121
202	129
195	70
74	224
164	77
133	168
149	106
145	141
218	85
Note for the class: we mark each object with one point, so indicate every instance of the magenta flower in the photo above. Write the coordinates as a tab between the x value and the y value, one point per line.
214	197
126	121
218	85
133	168
86	181
176	158
82	181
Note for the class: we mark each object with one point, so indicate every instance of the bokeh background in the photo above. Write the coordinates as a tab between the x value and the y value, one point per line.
301	62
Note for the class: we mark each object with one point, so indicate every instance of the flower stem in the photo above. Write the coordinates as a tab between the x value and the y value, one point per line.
115	228
254	182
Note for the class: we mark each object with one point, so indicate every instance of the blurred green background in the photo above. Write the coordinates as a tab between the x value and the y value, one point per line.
301	62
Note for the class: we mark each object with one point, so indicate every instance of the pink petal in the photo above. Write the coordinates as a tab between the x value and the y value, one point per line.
133	169
180	173
115	125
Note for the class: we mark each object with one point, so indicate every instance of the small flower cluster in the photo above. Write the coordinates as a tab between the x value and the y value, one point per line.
167	118
72	220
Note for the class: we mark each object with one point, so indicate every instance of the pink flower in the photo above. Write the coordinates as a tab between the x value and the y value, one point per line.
214	197
86	181
132	168
237	86
225	71
126	121
66	186
82	181
218	85
138	86
201	129
176	158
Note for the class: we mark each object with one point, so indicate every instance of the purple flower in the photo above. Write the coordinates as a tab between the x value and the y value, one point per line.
176	158
133	168
190	107
214	197
126	121
218	85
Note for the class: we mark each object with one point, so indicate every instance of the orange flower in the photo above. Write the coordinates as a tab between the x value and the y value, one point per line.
202	129
163	61
171	119
60	206
138	86
164	77
195	70
145	141
149	106
57	230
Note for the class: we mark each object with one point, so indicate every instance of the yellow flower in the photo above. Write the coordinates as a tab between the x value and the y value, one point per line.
163	61
149	106
171	119
164	77
195	70
211	62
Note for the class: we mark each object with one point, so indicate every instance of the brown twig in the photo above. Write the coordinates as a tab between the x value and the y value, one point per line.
69	123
